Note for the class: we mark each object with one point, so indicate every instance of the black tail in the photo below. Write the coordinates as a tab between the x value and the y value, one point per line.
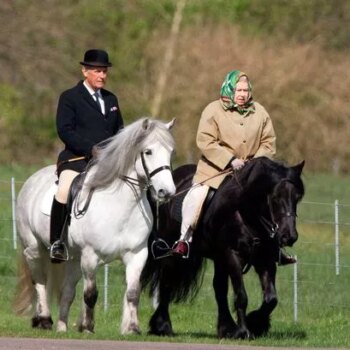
181	277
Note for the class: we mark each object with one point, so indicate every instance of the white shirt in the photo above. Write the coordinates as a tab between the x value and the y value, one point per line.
92	92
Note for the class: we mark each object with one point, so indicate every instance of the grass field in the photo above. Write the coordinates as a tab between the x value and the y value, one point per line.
323	311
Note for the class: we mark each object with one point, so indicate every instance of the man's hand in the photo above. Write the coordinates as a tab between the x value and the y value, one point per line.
94	152
237	164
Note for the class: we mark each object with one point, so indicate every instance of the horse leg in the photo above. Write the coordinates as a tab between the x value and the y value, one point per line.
240	295
226	327
160	323
37	262
259	320
88	267
134	266
71	278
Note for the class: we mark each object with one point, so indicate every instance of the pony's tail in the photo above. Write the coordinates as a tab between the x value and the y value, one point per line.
24	296
25	291
182	278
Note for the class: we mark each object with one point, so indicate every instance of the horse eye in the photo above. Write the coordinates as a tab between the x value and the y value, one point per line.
148	152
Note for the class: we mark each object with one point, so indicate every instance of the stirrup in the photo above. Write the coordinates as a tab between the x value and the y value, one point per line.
62	258
183	256
160	249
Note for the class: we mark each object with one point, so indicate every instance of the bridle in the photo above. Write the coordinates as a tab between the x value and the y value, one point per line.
147	185
149	175
132	182
271	225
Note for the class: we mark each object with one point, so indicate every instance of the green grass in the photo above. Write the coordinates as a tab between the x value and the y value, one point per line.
323	297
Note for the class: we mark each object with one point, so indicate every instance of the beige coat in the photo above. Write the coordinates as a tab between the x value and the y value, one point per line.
225	135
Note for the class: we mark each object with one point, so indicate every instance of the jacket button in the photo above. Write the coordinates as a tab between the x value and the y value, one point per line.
244	141
241	123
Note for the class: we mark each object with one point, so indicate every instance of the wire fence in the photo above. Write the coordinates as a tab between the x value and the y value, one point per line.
329	235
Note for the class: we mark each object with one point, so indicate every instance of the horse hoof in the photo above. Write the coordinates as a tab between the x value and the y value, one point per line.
242	333
226	333
42	322
86	329
61	327
131	329
258	323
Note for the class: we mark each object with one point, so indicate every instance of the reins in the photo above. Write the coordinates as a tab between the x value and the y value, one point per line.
225	171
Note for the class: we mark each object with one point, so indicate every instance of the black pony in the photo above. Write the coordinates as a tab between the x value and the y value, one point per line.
251	216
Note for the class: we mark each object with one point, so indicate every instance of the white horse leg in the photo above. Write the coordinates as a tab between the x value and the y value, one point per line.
88	267
71	278
134	265
37	263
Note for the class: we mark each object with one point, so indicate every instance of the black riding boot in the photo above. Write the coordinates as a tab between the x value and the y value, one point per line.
58	218
286	259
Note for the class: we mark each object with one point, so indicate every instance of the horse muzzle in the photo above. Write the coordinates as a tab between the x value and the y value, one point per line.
287	239
162	195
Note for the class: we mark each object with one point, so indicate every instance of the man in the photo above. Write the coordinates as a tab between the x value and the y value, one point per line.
86	115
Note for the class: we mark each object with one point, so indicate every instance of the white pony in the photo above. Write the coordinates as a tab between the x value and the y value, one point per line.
116	225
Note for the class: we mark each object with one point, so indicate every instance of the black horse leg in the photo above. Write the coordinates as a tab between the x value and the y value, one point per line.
226	326
160	323
259	320
240	294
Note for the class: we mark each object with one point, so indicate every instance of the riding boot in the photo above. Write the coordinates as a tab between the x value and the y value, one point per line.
285	259
181	248
57	223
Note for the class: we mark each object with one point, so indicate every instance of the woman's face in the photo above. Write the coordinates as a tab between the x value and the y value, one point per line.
242	93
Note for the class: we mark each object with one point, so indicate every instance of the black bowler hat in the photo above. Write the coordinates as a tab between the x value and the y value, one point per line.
96	58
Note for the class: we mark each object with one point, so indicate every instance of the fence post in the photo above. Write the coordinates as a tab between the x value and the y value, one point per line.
13	198
105	289
336	228
295	289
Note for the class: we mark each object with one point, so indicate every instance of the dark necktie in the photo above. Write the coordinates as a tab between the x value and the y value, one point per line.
96	94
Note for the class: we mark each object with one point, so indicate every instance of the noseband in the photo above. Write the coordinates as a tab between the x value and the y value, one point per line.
149	175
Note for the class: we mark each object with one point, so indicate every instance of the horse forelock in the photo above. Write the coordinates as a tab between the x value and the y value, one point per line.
118	154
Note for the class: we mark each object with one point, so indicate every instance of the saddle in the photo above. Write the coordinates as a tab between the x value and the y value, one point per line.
74	190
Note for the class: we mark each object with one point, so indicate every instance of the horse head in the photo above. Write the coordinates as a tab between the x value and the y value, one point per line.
153	163
282	205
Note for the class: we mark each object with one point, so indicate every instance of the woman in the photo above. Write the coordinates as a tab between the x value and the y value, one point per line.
232	130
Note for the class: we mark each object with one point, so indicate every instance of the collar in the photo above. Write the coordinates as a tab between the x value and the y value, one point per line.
91	90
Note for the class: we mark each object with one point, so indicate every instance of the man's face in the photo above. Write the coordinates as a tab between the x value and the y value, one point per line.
96	77
242	93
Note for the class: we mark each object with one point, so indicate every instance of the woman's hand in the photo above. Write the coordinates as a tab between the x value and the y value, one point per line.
237	164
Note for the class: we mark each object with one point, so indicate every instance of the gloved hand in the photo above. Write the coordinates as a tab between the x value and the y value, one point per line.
237	164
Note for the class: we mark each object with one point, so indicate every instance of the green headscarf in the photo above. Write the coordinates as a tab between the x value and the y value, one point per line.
228	91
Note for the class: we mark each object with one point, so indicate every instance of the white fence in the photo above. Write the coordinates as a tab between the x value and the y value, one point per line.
330	214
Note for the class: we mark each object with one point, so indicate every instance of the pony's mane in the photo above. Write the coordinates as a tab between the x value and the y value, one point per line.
260	171
263	172
118	154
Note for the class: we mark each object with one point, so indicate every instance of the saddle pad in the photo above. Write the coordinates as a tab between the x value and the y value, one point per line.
46	203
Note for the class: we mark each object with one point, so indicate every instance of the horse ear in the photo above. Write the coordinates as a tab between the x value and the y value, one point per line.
299	167
170	124
145	124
